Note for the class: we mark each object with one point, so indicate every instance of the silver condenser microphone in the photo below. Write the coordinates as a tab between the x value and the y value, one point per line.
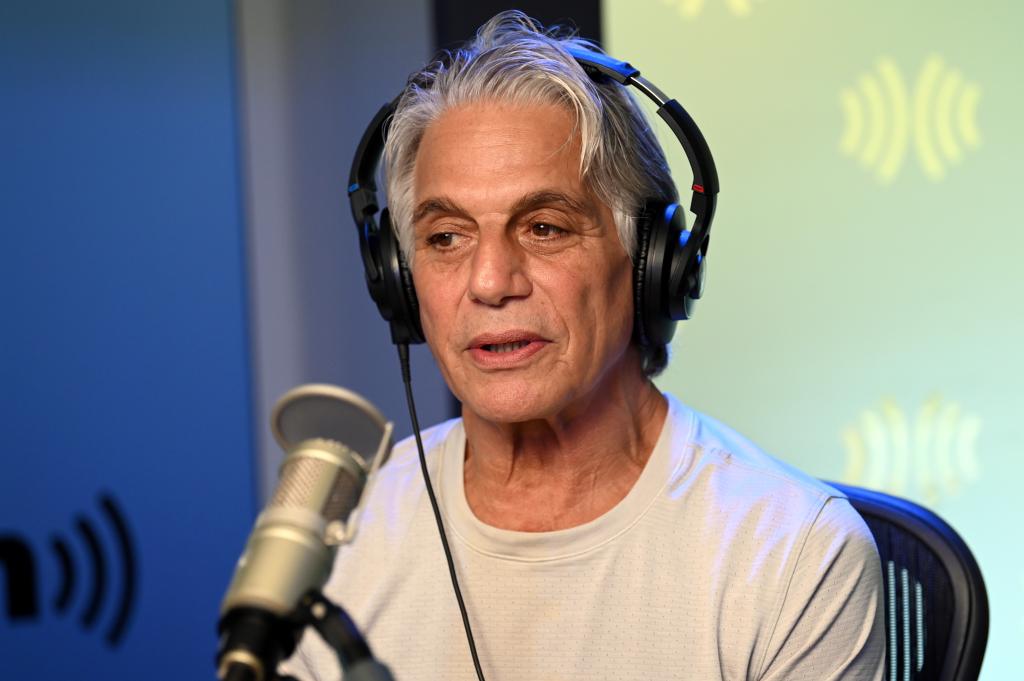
334	441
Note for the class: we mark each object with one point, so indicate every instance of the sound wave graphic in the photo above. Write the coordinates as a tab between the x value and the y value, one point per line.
98	587
929	457
882	115
23	597
689	9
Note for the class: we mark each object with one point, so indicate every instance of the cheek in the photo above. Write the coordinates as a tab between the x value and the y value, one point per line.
617	312
603	306
438	297
624	303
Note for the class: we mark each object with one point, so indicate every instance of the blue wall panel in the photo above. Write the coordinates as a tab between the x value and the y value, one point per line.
124	369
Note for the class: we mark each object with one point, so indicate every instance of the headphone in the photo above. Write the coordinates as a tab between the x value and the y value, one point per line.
668	272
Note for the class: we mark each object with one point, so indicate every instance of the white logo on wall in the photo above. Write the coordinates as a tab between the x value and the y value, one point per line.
927	457
689	9
883	117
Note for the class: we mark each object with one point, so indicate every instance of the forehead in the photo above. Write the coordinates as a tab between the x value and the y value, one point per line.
493	150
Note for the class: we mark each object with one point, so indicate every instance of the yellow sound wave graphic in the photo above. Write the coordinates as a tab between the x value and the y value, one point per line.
928	457
689	9
882	115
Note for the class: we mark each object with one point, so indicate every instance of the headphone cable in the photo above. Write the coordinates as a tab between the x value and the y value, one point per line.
403	358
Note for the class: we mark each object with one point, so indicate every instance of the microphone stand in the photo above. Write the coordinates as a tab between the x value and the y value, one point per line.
336	629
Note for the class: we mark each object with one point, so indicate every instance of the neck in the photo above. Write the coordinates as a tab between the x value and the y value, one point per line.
566	470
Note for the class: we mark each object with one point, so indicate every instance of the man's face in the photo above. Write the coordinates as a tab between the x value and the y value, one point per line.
525	290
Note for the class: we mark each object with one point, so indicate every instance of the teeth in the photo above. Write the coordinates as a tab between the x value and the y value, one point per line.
507	347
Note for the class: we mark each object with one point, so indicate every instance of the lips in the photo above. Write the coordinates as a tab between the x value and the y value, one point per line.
505	349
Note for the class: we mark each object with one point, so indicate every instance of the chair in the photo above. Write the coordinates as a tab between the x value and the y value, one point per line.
936	607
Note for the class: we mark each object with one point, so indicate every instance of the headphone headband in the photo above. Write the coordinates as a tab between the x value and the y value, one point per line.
705	175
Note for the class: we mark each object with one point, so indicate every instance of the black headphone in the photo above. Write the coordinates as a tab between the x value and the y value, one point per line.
668	274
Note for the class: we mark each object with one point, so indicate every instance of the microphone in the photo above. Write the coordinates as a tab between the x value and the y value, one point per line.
334	441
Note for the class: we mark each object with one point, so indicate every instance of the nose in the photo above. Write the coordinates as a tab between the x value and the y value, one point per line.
498	273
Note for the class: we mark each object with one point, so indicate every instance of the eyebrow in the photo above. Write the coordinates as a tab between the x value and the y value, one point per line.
538	199
547	197
437	205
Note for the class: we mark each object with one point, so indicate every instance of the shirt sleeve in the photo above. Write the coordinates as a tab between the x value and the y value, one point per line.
830	624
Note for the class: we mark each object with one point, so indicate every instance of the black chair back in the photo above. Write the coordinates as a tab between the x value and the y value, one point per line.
936	607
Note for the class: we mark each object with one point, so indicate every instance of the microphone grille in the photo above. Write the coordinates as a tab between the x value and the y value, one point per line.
344	498
317	484
333	438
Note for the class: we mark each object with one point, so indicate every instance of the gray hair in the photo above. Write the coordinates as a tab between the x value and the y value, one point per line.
513	60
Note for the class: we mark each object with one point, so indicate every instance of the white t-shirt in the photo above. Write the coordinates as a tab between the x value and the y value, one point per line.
720	563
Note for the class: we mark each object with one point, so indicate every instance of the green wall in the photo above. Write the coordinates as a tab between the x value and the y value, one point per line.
863	317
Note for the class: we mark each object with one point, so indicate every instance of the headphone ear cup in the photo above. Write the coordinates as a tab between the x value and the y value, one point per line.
643	235
657	250
400	305
641	296
686	274
411	301
693	282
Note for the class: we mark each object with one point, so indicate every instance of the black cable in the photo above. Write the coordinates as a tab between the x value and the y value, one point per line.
403	357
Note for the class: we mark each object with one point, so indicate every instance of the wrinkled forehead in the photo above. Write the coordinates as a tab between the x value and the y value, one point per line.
496	149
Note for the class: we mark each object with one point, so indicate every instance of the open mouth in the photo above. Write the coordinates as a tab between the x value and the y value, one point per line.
505	347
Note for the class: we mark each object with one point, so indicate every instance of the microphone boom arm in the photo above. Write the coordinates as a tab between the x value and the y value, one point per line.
333	625
340	633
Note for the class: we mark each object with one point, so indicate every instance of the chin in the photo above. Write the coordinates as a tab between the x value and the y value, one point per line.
515	402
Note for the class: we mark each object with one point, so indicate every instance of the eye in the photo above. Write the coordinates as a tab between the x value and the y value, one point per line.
442	240
545	230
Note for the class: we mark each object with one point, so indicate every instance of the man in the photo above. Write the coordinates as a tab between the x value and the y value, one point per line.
599	528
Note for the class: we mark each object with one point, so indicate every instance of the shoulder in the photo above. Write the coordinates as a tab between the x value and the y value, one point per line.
403	465
750	465
742	481
798	542
396	490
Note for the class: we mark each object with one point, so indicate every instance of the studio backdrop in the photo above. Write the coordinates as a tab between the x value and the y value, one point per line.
176	252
